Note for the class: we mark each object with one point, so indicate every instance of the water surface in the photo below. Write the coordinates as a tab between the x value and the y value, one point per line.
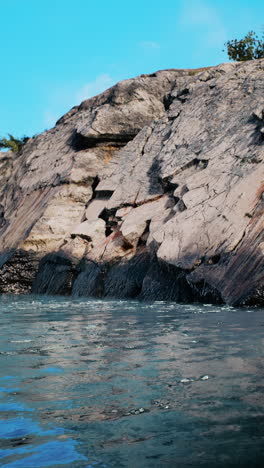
93	383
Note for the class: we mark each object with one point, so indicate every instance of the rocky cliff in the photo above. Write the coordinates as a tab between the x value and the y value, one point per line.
153	189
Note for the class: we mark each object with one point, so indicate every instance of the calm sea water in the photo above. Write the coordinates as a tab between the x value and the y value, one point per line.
93	383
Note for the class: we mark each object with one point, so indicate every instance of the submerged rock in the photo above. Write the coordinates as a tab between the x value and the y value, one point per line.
153	190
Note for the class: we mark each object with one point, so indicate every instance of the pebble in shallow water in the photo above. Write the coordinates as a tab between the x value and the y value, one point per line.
138	411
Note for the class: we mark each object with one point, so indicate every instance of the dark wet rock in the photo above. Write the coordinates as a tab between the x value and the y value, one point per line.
165	282
89	280
55	275
125	278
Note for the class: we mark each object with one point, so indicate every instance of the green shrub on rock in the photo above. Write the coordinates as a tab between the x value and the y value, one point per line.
248	48
12	143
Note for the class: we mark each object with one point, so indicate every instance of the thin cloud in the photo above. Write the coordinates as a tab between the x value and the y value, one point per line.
50	118
66	97
199	13
100	84
150	45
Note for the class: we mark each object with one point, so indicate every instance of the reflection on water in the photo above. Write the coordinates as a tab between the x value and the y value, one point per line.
114	384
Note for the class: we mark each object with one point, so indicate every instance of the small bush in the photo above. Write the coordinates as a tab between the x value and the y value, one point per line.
248	48
12	143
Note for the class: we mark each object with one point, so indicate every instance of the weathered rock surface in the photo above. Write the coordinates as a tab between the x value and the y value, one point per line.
153	189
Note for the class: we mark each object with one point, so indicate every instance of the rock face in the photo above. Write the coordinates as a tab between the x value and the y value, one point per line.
153	189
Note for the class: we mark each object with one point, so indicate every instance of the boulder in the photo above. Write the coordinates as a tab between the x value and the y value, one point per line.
92	231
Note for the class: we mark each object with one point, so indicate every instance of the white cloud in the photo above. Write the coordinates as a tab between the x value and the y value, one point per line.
66	96
149	45
100	84
50	118
199	13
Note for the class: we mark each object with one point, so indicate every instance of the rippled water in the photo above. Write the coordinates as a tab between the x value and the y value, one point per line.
91	383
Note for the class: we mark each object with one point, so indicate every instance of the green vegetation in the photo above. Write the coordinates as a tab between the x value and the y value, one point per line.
12	143
248	48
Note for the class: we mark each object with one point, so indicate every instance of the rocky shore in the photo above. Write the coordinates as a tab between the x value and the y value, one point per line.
153	190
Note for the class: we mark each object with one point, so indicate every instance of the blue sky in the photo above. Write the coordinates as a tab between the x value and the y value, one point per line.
55	53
